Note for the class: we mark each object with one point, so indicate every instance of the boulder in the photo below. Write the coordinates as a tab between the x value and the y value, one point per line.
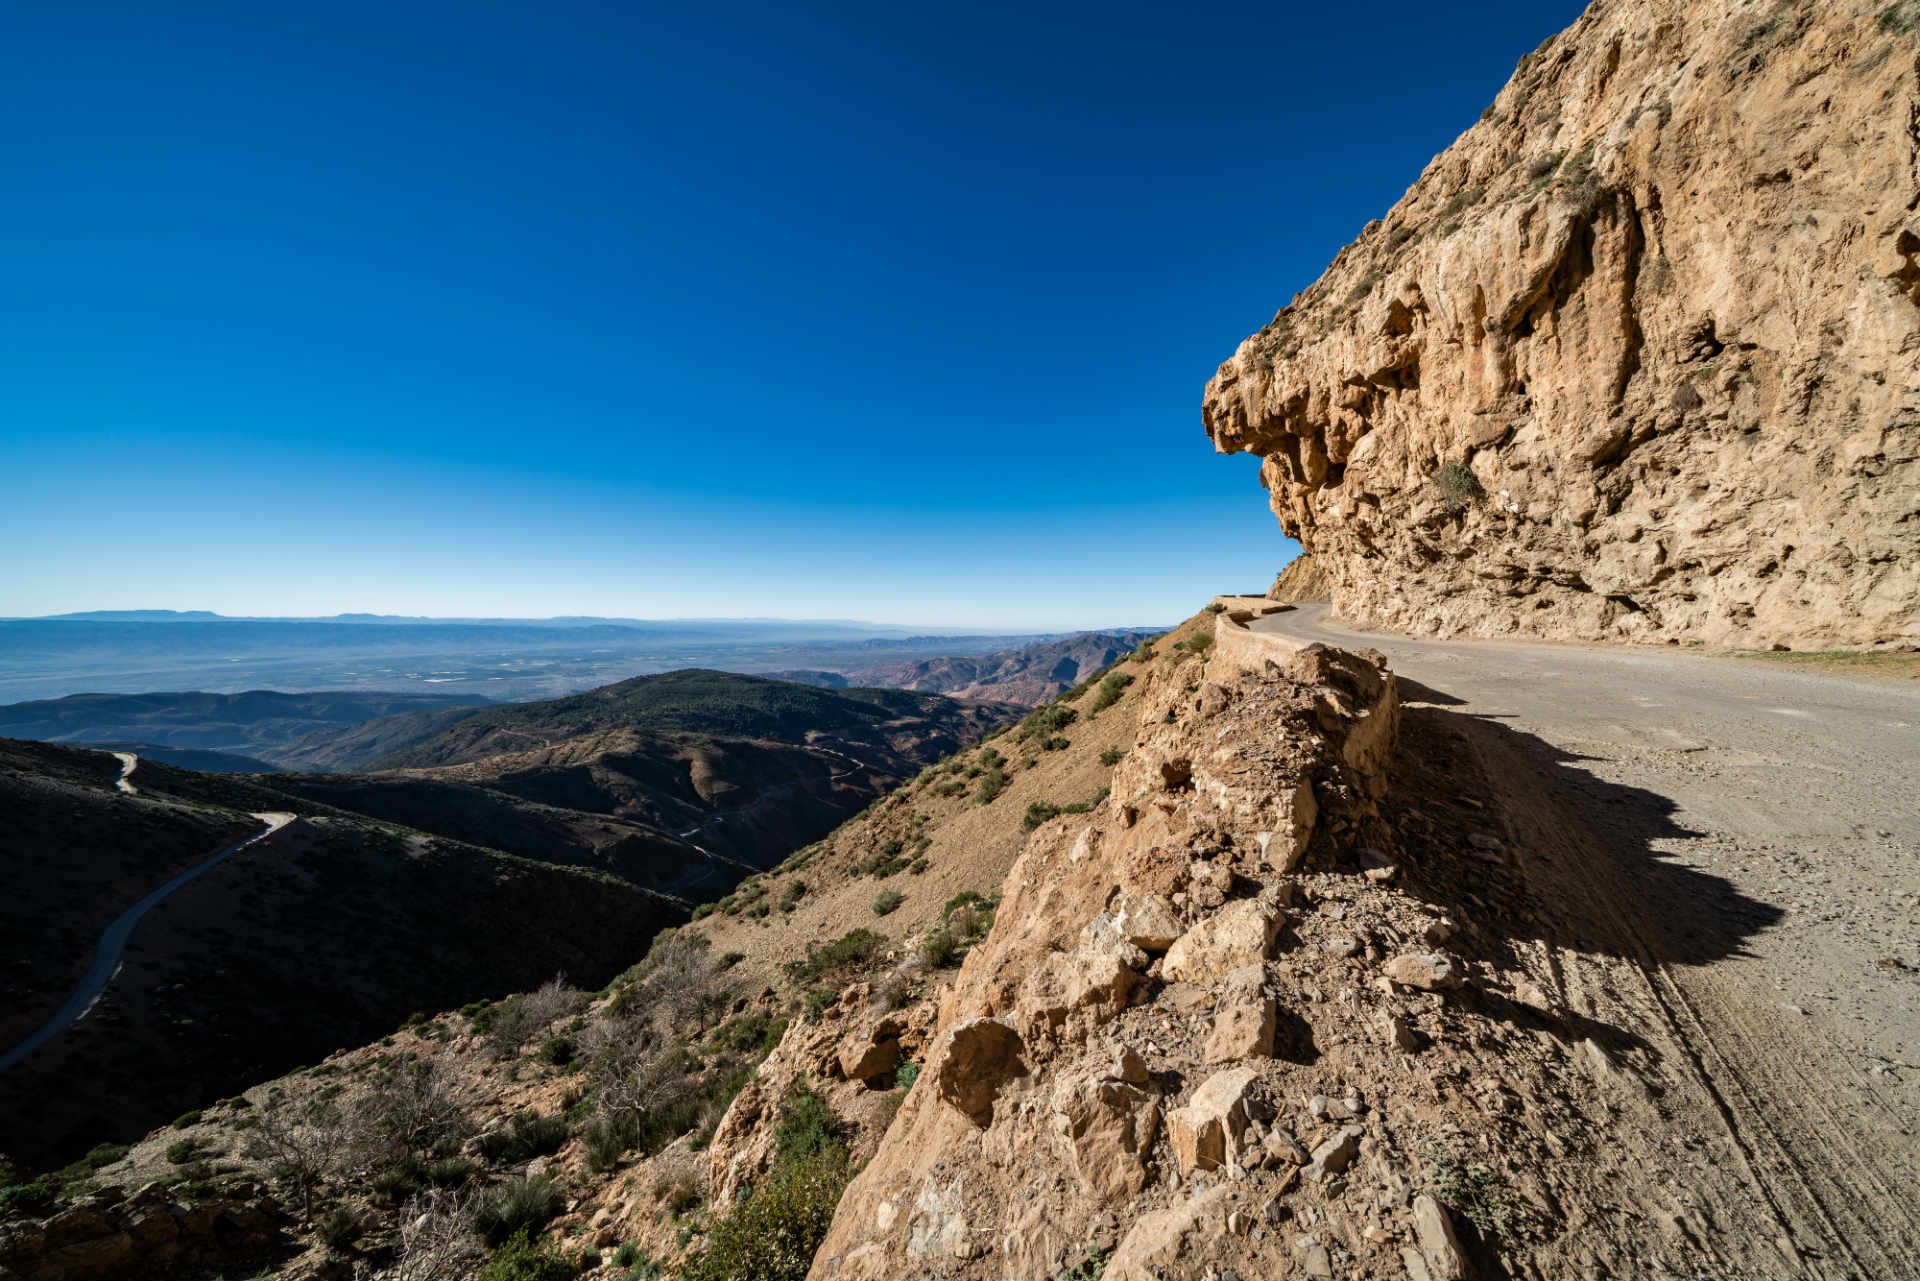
1244	1021
1210	1132
1241	933
1070	994
1108	1128
1170	1241
1439	1245
1428	971
1147	921
973	1062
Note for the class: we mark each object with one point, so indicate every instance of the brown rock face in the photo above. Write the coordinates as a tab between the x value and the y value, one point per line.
1638	357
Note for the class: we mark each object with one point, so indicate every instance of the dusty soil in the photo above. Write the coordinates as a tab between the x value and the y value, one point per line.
1719	863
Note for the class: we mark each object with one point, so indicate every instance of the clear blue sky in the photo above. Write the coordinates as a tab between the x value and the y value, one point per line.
898	312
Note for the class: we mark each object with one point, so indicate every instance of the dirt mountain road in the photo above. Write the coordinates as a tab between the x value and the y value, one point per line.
1720	860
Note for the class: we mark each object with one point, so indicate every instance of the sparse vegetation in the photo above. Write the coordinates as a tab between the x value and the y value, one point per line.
519	1208
520	1258
1482	1195
837	959
1112	756
774	1233
885	902
1457	485
1112	686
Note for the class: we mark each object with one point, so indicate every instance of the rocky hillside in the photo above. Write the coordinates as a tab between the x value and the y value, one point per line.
1637	357
616	1125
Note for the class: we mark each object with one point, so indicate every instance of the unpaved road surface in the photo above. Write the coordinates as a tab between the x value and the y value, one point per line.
113	940
1722	859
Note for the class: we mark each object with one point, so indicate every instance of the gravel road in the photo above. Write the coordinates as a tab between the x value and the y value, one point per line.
1730	855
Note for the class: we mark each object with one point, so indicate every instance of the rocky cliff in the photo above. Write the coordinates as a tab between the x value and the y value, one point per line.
1637	357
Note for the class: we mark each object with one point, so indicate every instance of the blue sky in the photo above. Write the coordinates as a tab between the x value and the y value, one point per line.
890	312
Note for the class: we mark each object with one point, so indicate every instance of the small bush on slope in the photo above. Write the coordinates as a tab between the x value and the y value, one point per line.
773	1234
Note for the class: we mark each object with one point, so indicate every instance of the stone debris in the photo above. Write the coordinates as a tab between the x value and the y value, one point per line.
1428	971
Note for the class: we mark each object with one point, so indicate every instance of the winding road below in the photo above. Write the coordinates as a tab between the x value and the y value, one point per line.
1723	859
113	940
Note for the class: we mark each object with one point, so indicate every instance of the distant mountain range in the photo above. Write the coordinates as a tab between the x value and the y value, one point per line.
1028	674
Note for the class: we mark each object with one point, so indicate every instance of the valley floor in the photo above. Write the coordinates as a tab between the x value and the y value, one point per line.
1719	860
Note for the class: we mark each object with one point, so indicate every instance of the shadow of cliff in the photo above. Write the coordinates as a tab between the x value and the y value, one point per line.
1514	838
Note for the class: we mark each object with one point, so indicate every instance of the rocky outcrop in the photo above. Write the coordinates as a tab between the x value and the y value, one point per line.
1637	357
111	1235
1118	1036
1300	581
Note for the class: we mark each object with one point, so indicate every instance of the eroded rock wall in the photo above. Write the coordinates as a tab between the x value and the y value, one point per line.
1662	304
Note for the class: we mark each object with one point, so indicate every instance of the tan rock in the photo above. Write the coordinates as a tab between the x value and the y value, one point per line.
1166	1242
1071	993
1244	1021
1209	1132
1147	921
1335	1153
1241	933
1439	1246
973	1062
1108	1128
871	1052
1428	971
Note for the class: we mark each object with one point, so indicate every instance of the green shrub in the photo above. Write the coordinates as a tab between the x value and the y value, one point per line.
516	1209
1457	485
35	1196
1112	756
842	956
529	1135
940	948
625	1255
885	902
186	1119
1044	722
906	1074
340	1228
606	1139
1198	643
181	1151
449	1172
808	1127
992	783
557	1050
1111	688
520	1259
774	1233
754	1034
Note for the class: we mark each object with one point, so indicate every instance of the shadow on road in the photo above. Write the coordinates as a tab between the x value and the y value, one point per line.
1509	834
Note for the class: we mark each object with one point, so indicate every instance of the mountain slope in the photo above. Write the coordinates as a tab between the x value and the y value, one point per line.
321	934
1634	357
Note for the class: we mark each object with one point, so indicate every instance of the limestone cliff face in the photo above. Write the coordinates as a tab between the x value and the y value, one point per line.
1638	357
